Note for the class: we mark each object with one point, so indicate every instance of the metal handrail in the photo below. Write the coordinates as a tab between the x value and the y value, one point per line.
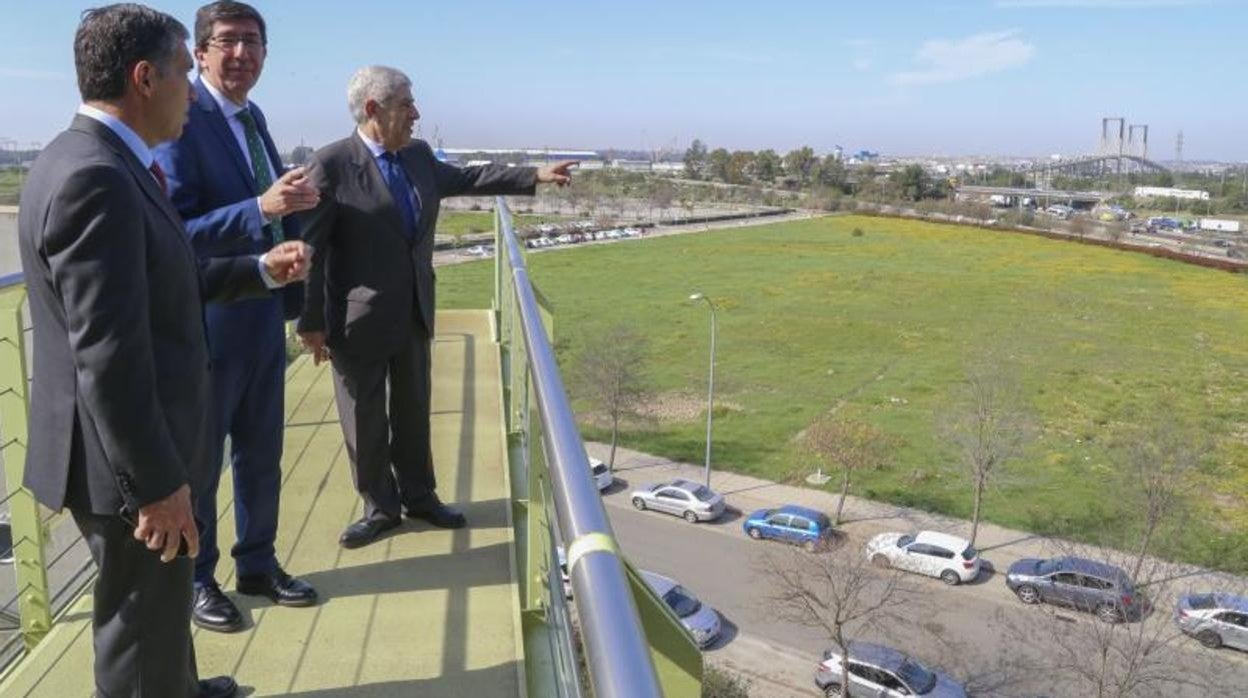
615	645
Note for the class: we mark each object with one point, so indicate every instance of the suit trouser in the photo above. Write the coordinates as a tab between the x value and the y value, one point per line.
141	616
248	396
383	406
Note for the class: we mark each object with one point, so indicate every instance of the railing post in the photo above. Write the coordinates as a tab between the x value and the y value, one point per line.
30	566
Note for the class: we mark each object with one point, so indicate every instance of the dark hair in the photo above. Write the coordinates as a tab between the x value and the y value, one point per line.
222	11
111	40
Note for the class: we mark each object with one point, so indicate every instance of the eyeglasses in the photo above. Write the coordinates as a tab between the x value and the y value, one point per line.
228	42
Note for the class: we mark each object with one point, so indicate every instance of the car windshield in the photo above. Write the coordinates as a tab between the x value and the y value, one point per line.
1202	601
703	494
600	469
916	676
682	602
969	553
904	541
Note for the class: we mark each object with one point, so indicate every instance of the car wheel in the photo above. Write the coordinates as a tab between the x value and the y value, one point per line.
756	534
691	517
833	690
1107	613
1028	594
639	504
1209	639
881	562
950	577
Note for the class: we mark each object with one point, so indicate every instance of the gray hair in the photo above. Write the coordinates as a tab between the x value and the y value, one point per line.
375	82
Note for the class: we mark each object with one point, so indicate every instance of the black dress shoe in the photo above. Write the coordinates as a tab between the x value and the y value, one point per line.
281	588
218	687
431	509
366	531
213	610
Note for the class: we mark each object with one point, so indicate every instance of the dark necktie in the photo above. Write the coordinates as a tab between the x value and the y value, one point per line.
401	190
260	167
159	174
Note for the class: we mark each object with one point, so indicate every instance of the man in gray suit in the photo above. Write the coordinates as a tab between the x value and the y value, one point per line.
370	296
119	399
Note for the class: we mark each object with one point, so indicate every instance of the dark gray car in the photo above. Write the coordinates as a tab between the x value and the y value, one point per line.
1080	583
883	672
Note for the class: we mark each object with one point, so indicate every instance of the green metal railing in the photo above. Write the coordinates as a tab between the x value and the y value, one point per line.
631	643
34	609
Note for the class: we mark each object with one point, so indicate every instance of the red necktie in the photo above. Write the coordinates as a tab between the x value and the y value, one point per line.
159	174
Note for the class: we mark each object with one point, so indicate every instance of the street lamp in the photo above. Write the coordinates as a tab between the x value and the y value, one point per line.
710	389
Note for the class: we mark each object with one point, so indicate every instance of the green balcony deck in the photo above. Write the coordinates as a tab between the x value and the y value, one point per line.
425	612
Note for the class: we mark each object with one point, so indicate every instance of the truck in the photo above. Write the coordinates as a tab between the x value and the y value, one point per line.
1221	225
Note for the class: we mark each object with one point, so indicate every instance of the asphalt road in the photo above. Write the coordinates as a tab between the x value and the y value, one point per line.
979	632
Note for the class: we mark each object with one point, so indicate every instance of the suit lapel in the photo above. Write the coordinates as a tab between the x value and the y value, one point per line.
216	120
370	181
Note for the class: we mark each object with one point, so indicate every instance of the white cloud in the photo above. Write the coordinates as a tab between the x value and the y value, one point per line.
951	60
1100	4
26	74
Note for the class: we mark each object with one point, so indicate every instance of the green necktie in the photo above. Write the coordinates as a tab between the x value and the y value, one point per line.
260	167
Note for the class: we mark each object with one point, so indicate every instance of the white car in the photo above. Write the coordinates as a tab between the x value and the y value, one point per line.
602	474
948	558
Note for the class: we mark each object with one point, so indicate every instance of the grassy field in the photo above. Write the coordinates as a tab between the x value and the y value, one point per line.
9	190
456	223
885	323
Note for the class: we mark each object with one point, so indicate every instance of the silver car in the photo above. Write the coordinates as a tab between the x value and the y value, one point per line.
1214	619
883	672
700	620
691	500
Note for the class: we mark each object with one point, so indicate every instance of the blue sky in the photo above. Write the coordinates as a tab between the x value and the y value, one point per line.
1025	77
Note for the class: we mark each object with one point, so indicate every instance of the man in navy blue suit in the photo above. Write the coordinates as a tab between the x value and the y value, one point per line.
227	182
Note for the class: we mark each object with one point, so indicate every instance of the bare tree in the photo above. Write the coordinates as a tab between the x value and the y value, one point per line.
836	592
1161	455
609	372
989	425
848	444
1142	654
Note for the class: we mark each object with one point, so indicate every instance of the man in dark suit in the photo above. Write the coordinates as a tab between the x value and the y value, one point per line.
370	296
227	181
119	424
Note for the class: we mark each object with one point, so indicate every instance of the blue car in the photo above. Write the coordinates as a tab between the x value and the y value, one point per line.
791	524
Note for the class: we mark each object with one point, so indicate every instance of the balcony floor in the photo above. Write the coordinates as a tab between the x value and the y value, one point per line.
424	612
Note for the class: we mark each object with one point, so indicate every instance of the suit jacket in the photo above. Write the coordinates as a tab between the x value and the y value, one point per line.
120	391
214	189
368	284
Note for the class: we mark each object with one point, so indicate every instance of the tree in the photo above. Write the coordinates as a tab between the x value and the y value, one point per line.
848	444
609	373
1140	655
719	163
661	195
739	165
695	159
767	165
913	182
1161	455
836	592
799	163
988	425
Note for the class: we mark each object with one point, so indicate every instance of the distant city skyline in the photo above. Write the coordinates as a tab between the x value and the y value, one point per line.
939	78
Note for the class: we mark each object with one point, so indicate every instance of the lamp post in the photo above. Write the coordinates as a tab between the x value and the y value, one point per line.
710	387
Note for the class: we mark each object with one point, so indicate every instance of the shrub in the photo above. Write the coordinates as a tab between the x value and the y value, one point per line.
858	232
718	683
